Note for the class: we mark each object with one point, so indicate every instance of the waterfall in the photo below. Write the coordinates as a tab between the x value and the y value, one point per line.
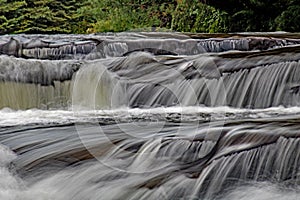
149	116
256	82
96	88
35	84
145	80
201	164
186	76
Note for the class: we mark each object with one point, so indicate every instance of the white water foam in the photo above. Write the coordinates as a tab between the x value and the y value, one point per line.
9	184
14	188
263	191
9	117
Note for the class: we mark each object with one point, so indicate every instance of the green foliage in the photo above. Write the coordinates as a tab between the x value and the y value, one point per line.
89	16
260	15
192	16
10	15
289	20
45	16
122	15
243	20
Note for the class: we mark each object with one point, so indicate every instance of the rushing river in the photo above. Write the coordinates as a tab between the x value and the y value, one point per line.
150	116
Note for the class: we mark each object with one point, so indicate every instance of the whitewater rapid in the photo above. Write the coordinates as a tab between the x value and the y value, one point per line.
10	117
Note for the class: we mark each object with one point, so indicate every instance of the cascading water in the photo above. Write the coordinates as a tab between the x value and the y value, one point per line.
149	116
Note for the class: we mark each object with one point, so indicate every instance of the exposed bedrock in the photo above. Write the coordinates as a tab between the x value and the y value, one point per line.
114	45
42	72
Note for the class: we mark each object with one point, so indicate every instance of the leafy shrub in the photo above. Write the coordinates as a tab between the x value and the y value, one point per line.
289	20
192	16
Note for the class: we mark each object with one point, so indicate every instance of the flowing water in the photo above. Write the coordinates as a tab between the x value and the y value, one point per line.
150	116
